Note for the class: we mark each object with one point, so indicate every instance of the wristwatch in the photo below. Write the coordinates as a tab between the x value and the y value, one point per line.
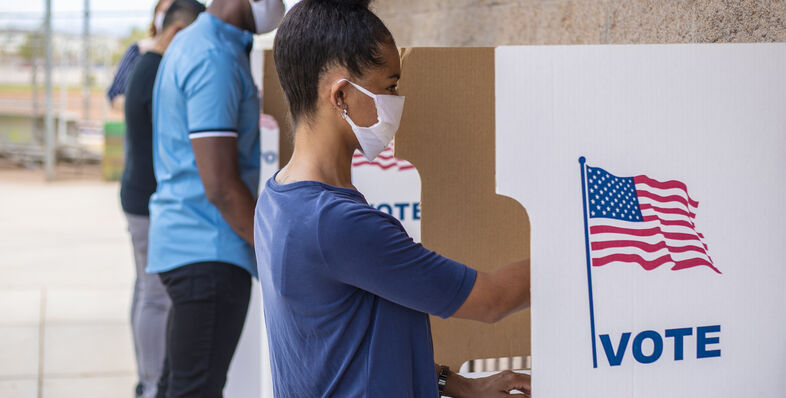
443	378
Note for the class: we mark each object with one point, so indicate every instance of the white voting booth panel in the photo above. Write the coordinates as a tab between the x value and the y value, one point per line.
689	123
390	185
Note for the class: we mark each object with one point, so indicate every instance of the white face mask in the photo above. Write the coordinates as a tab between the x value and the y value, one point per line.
374	139
267	14
158	22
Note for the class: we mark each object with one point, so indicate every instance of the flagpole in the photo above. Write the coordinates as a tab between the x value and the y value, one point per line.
582	167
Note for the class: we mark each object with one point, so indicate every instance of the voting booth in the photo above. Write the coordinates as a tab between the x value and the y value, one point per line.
654	179
644	183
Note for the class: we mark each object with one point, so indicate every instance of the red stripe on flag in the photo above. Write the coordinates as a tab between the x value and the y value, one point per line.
662	199
676	223
693	262
650	265
380	165
642	179
647	247
401	165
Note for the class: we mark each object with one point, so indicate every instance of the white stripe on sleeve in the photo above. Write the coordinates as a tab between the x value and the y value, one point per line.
205	134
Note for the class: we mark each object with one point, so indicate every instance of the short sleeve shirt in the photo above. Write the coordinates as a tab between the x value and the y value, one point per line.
347	293
203	89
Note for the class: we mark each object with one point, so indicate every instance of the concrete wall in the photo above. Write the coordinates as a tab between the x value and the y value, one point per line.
504	22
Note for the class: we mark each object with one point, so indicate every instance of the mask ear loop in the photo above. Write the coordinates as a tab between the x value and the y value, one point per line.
360	88
344	114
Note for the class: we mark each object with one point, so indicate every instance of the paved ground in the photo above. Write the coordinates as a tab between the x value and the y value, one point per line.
65	284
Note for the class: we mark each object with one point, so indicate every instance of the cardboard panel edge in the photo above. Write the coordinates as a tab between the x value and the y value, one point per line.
448	133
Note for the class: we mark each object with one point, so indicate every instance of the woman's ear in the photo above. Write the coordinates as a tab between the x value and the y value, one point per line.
337	96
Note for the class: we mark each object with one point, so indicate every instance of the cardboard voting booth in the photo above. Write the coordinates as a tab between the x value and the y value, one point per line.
645	183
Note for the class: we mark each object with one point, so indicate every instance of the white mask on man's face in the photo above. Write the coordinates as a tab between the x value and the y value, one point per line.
375	138
267	14
158	22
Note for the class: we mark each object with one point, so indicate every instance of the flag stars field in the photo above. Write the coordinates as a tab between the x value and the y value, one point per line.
643	221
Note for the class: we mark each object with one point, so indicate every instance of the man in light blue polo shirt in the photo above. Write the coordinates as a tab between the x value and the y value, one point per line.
206	162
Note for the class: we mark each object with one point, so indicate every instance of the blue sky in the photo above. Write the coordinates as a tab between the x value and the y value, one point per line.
112	17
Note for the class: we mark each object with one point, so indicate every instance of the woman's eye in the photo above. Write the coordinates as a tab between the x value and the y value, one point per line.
393	89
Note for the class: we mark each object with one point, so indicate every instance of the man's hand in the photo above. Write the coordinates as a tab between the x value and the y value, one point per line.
494	386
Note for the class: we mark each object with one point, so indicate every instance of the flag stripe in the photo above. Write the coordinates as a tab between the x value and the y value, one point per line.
645	225
650	256
385	161
695	262
650	240
663	199
664	192
647	247
647	206
380	165
600	229
681	223
650	265
382	155
642	179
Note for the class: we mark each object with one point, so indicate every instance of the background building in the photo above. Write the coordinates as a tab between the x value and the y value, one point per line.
509	22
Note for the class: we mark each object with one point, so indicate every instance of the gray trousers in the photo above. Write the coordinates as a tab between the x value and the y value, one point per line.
149	311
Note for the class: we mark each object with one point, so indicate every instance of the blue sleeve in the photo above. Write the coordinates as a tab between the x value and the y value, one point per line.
124	69
213	91
366	248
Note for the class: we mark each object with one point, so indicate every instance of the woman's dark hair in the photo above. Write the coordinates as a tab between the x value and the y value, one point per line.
318	34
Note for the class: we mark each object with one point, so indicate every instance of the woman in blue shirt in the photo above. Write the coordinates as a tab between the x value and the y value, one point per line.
346	291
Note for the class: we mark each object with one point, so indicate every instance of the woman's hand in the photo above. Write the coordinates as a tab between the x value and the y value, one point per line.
494	386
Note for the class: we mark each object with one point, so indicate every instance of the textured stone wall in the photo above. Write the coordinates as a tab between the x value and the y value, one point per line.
504	22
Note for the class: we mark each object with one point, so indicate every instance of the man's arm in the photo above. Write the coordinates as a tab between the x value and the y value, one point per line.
497	294
216	159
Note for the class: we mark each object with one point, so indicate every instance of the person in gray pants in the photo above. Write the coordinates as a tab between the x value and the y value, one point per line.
149	311
151	304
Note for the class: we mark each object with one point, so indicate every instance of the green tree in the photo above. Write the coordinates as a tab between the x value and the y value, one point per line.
32	47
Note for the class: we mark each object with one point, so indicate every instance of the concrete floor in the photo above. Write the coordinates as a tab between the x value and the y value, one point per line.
66	276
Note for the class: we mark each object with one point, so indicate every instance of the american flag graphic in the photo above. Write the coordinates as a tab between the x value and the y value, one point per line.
640	220
385	161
